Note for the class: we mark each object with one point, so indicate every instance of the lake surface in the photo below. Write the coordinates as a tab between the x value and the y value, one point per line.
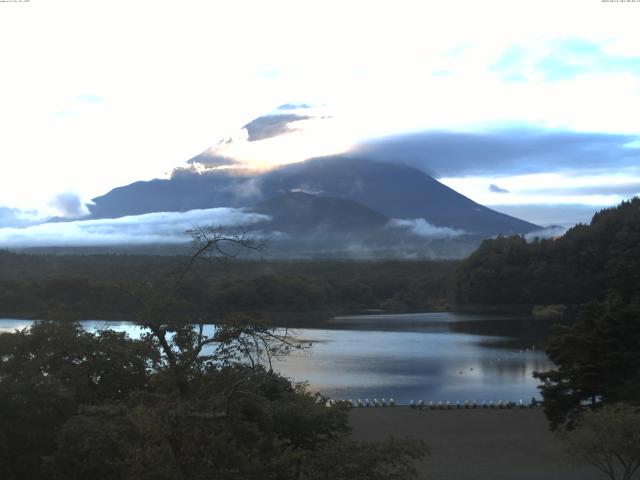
429	356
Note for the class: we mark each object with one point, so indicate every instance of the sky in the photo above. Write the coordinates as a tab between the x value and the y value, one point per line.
531	108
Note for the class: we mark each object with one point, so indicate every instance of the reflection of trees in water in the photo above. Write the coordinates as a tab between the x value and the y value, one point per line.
513	366
400	325
518	332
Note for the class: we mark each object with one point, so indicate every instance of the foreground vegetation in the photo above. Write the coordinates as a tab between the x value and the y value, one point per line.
78	405
608	439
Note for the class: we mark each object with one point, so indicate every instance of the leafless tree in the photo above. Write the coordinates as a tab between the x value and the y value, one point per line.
220	245
181	332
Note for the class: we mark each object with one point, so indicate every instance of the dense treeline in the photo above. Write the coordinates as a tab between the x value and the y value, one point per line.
598	362
596	270
100	286
590	262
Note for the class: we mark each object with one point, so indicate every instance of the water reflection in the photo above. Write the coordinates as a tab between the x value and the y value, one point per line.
432	356
429	356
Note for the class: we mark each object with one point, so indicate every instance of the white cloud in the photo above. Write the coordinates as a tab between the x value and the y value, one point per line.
545	233
566	215
597	189
69	204
13	217
422	228
162	227
319	135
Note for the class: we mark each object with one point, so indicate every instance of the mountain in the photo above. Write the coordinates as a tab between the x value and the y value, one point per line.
393	190
301	213
304	225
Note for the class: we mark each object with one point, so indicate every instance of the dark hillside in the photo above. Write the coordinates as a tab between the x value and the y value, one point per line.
589	263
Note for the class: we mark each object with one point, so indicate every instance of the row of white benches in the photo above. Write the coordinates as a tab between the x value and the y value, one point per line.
421	405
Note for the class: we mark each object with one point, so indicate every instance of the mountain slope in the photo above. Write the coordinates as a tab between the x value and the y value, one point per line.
393	190
302	213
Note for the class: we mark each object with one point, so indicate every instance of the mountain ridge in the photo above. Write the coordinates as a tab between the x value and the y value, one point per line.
393	190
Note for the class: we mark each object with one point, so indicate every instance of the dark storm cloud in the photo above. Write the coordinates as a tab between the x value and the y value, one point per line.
504	152
496	189
269	126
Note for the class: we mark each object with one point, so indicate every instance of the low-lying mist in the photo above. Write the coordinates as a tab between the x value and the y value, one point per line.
150	228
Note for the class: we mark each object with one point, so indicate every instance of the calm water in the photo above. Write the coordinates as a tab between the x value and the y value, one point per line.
429	356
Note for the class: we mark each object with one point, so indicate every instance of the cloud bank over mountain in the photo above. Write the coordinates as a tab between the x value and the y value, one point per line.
151	228
505	152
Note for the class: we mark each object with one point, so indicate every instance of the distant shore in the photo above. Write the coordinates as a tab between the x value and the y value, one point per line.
496	444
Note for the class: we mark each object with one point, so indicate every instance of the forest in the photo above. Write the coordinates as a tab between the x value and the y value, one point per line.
588	263
99	286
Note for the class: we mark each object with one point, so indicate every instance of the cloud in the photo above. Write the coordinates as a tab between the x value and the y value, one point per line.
283	136
269	126
250	188
550	232
565	215
627	189
210	159
422	228
496	189
294	106
310	191
14	217
69	204
90	98
505	152
600	187
152	228
562	59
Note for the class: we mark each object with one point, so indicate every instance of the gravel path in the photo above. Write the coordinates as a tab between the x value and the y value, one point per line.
475	444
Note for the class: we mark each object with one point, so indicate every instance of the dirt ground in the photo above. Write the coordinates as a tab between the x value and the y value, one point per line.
475	444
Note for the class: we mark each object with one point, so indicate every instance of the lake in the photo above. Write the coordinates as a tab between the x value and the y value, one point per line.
429	356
